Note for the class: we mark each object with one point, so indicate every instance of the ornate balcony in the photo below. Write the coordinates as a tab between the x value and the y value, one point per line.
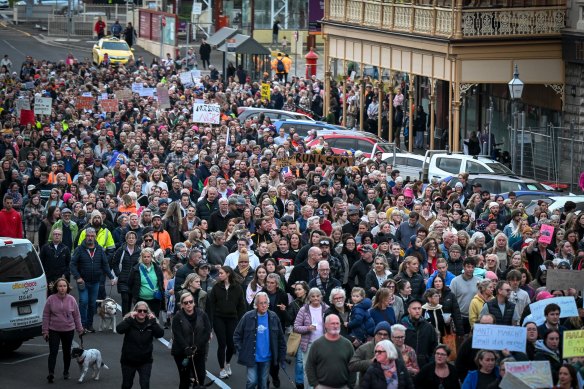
474	20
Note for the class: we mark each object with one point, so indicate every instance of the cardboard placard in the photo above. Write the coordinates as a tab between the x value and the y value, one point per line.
20	104
163	98
527	375
573	344
546	232
497	337
109	105
567	308
83	102
206	113
314	159
563	279
266	92
43	105
123	94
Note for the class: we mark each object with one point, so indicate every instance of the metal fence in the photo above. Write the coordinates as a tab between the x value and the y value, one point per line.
82	23
547	154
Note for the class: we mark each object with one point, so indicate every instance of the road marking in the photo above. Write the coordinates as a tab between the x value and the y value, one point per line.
5	41
25	359
216	380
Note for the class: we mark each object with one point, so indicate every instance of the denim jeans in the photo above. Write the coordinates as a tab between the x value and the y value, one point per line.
304	359
87	304
299	368
257	376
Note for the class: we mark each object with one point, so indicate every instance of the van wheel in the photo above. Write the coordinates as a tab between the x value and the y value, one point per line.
9	346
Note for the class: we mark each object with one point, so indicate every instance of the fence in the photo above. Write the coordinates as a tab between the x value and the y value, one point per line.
547	154
82	23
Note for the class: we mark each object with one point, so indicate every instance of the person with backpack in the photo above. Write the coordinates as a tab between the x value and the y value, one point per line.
279	66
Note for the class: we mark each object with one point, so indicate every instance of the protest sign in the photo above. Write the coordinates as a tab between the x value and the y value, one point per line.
573	344
163	98
527	375
123	94
496	337
137	87
147	92
186	79
195	73
567	308
266	94
206	113
564	279
29	85
26	117
546	233
21	104
109	105
42	105
83	102
337	160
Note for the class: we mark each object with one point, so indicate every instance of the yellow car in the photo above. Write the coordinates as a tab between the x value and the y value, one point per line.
117	50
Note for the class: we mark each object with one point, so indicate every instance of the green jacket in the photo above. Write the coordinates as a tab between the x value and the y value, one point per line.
59	224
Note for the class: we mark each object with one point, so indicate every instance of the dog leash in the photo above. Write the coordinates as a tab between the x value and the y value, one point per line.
80	341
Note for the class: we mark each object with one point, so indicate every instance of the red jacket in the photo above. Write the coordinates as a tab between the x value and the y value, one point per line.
11	224
99	27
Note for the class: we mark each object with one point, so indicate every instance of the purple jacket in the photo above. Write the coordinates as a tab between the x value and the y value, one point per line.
61	314
303	321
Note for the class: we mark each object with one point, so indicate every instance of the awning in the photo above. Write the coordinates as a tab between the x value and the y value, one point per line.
221	35
243	44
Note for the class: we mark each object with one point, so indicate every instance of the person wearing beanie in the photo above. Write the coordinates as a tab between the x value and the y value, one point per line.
363	356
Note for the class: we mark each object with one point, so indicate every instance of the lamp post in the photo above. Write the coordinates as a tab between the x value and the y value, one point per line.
515	92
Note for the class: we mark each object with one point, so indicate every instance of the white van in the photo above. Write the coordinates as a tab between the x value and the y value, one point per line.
441	164
23	293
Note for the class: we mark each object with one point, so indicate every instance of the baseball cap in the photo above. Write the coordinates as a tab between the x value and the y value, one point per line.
352	210
66	210
319	212
156	216
367	248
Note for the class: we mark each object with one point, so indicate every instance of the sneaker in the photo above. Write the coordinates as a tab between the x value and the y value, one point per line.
90	330
228	368
50	378
223	374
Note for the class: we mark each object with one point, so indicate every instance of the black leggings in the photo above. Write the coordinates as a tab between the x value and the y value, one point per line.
126	302
185	372
224	329
66	339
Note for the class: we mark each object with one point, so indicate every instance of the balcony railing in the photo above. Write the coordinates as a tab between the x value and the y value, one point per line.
449	22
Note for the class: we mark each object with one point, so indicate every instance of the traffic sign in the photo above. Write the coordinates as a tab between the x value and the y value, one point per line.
197	8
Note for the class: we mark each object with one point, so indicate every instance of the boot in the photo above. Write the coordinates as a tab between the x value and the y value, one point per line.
299	386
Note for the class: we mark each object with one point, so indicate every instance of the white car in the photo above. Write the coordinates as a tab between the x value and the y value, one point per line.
442	164
4	4
59	6
557	203
409	164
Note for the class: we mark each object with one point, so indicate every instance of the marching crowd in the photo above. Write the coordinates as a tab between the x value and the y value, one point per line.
354	275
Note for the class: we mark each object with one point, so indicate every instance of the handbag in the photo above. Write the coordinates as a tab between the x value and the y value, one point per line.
293	344
157	292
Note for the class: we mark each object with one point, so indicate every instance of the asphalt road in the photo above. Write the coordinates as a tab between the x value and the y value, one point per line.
28	365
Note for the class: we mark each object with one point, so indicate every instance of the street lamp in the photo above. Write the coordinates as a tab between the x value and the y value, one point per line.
515	91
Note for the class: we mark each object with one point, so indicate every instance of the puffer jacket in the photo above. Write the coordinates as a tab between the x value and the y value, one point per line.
184	335
55	261
416	282
303	322
361	325
137	348
127	263
88	268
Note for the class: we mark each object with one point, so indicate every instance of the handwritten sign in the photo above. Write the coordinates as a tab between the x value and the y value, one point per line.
195	73
567	308
109	105
137	87
84	102
186	79
266	93
573	344
496	337
337	160
546	232
529	374
21	104
123	94
206	113
147	92
43	105
163	98
564	279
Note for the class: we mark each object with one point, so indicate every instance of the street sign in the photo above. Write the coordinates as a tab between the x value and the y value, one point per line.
197	8
231	45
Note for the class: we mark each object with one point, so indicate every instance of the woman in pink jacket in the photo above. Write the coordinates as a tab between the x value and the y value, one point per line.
60	320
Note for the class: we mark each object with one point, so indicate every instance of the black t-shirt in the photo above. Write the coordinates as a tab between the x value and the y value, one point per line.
485	380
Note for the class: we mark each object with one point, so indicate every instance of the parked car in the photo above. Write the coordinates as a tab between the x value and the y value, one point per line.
496	184
409	164
59	6
4	4
556	203
274	114
347	140
526	196
117	50
441	164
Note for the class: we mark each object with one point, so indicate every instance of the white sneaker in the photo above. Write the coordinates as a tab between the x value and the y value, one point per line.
228	368
223	374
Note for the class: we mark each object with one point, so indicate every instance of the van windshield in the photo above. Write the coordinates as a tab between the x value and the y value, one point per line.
18	263
499	168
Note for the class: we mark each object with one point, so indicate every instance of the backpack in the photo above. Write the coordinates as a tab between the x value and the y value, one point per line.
280	66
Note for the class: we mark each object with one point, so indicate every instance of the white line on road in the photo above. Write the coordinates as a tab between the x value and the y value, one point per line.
25	359
215	380
5	41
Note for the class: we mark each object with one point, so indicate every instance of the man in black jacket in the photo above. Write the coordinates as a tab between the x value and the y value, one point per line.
420	335
88	263
205	53
56	258
139	328
208	205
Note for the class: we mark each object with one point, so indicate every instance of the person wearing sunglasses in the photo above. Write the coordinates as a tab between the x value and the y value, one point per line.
387	370
139	328
191	331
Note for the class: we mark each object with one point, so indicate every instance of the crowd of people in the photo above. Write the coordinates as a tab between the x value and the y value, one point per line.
356	276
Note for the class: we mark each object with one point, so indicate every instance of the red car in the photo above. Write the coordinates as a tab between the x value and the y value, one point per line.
353	141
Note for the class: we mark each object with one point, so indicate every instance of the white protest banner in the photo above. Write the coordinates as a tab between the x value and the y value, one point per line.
42	105
20	104
528	374
137	87
163	98
206	113
195	73
564	279
147	92
87	94
186	79
567	308
495	337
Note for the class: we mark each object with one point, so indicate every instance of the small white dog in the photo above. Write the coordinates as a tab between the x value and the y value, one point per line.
86	359
107	311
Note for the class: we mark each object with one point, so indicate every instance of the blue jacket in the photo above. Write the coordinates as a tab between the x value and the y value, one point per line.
447	281
472	378
387	315
245	334
361	325
90	269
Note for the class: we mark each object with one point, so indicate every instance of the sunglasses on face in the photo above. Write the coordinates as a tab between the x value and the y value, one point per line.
188	302
142	310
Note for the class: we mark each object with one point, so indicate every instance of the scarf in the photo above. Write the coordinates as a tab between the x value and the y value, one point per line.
244	271
390	373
